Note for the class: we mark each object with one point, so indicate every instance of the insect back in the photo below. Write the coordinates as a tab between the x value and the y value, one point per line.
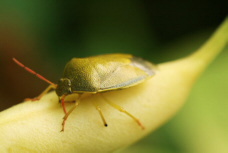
103	73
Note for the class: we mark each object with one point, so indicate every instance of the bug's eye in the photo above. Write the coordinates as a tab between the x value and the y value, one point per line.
65	82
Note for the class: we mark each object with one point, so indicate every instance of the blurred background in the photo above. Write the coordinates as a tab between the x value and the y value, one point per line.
45	35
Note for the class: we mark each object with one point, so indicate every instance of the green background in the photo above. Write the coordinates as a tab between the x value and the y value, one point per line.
44	35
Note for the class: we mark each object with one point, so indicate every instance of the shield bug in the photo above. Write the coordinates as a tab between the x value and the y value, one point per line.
98	74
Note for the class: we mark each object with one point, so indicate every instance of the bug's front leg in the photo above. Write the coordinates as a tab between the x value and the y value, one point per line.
50	87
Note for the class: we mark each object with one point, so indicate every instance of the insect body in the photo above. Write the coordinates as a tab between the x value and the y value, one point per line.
99	74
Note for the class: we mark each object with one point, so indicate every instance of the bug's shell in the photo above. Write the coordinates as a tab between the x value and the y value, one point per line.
103	73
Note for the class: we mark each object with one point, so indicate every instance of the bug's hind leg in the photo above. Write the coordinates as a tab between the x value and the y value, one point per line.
50	87
101	114
121	109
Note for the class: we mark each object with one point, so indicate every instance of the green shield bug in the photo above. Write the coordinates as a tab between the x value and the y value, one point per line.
97	74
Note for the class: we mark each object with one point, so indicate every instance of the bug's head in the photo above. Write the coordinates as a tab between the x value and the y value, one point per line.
63	87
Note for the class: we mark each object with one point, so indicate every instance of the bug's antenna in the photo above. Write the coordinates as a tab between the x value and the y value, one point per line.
33	72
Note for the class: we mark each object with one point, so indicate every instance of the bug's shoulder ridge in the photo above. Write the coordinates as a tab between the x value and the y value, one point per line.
101	59
115	55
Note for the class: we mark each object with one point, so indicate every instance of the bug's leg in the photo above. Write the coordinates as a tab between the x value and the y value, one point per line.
63	101
124	111
101	114
50	87
68	113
